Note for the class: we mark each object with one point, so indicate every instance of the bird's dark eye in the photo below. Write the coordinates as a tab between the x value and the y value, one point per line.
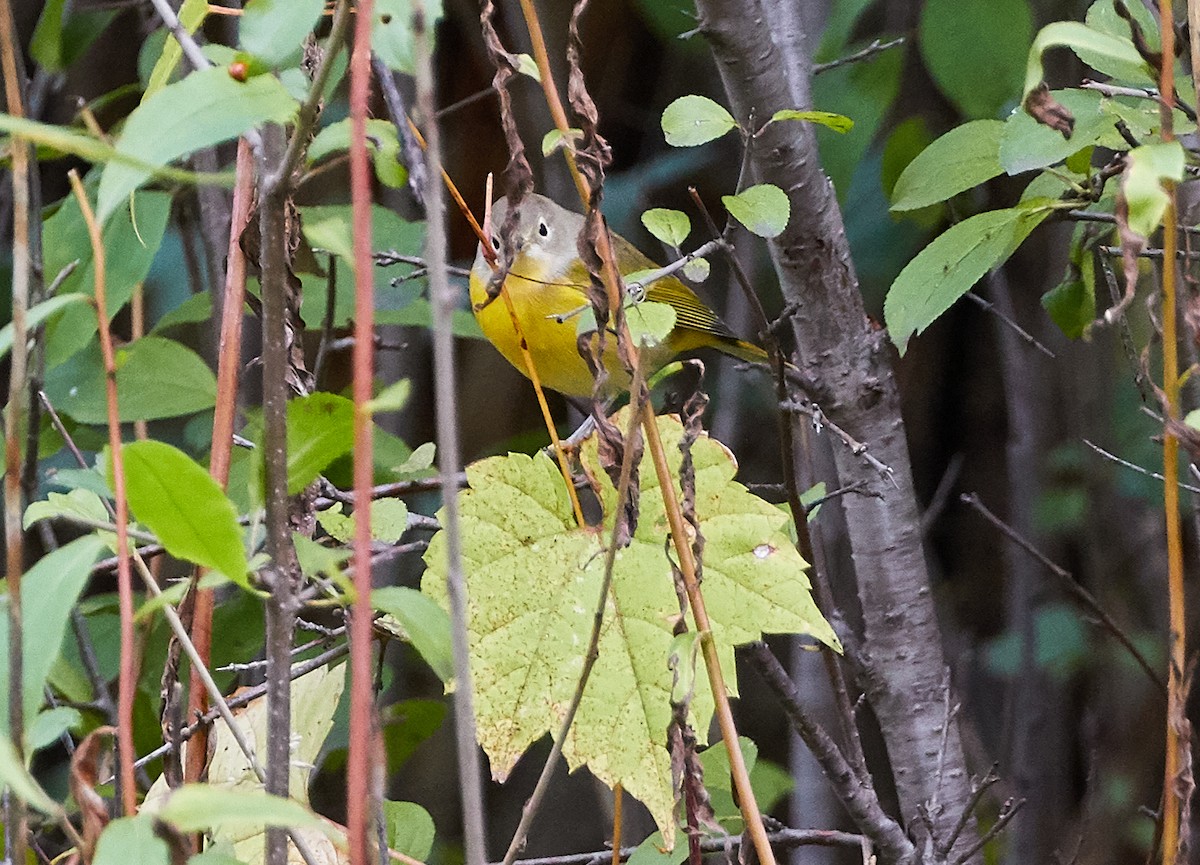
543	228
496	244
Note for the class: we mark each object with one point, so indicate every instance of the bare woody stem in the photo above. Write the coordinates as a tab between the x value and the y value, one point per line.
14	415
449	456
362	727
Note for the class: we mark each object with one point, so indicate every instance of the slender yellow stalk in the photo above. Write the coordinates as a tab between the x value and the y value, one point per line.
1175	596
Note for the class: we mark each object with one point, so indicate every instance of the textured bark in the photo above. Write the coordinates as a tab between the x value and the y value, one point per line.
761	54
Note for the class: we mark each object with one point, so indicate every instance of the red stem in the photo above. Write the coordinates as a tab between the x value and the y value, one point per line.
128	672
228	368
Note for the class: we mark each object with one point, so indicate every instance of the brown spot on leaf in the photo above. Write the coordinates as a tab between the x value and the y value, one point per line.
1043	108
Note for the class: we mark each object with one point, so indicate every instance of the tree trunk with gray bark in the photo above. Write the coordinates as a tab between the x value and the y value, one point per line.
765	66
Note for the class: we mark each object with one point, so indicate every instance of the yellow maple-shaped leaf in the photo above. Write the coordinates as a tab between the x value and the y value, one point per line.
533	584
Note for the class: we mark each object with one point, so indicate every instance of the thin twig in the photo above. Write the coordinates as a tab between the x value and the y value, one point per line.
398	489
218	699
244	698
1009	811
443	303
876	47
1135	467
1154	254
781	838
636	288
281	572
593	649
1081	595
1110	219
191	49
1151	93
414	161
389	257
1028	337
821	421
980	788
310	109
857	795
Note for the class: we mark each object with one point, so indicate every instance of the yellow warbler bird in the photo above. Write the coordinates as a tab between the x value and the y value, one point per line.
547	284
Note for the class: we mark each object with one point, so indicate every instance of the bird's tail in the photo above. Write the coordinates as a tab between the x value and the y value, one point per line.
742	350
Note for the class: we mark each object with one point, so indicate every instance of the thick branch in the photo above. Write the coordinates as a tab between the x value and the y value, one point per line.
765	65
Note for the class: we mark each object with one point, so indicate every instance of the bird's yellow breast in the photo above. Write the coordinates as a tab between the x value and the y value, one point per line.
540	299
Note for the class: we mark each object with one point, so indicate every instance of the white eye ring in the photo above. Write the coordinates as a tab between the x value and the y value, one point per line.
543	228
496	244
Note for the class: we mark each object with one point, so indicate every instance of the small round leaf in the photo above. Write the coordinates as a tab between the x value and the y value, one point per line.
763	209
692	120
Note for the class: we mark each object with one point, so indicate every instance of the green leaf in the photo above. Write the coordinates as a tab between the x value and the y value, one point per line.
178	501
191	15
670	226
946	269
132	238
1112	55
394	397
52	586
64	140
526	65
392	31
650	323
156	378
200	807
555	139
76	503
64	33
318	560
382	142
653	851
1072	306
328	227
389	520
981	78
49	726
36	315
131	839
205	108
1147	168
718	779
1102	15
196	309
763	209
15	777
534	581
692	120
406	725
273	30
418	619
320	428
963	158
409	828
836	122
697	269
419	462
